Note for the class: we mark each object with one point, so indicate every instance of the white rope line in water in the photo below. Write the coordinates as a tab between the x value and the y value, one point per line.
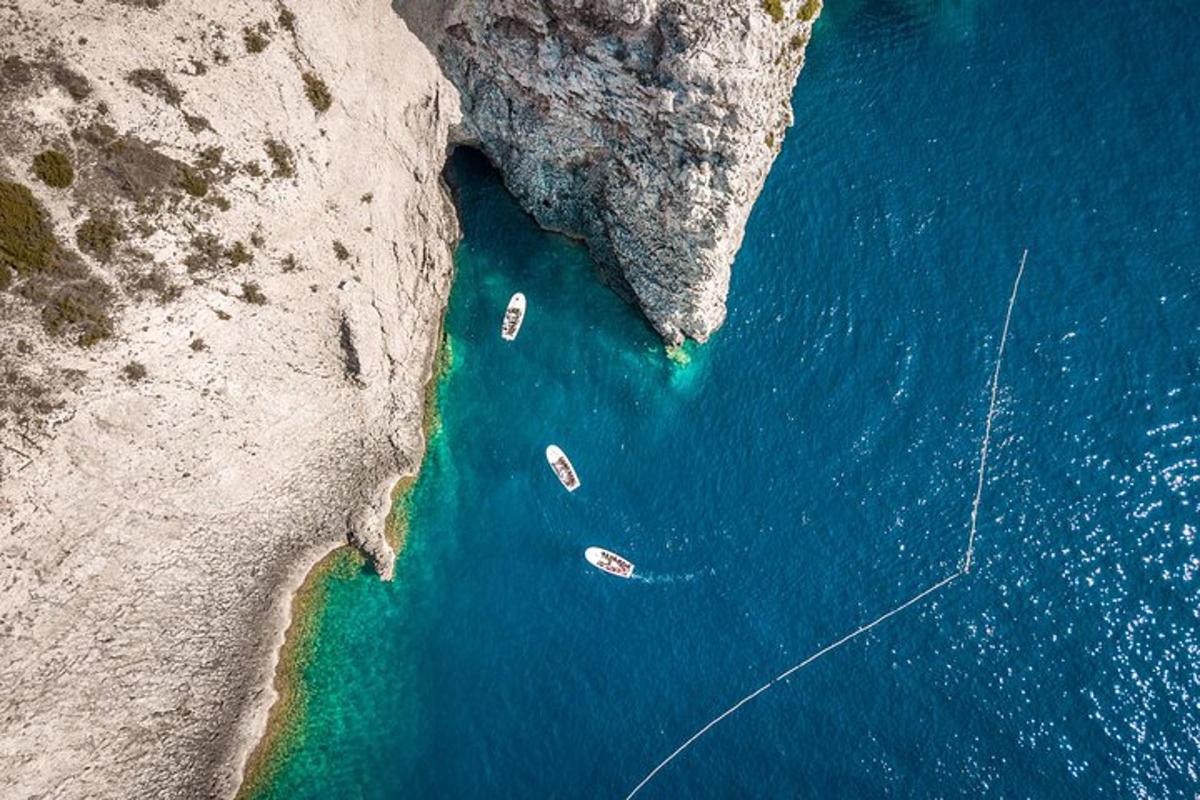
958	573
987	428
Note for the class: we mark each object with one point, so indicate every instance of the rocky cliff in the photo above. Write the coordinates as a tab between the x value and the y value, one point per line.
647	127
224	254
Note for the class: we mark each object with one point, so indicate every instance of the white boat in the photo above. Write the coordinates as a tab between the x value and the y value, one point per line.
609	562
562	467
514	315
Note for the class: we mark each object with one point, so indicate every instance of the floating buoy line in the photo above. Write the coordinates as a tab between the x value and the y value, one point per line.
964	567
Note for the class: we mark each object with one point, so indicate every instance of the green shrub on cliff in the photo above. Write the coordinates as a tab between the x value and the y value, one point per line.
774	8
134	371
317	92
255	38
283	160
252	293
239	255
82	305
192	182
99	235
210	157
53	169
808	10
155	82
287	19
27	242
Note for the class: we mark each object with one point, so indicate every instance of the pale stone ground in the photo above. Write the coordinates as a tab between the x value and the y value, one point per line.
149	549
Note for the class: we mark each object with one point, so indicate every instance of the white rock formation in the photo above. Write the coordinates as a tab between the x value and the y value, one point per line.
152	532
647	127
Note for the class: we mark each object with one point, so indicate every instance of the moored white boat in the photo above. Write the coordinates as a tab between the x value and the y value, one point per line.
562	467
514	315
608	561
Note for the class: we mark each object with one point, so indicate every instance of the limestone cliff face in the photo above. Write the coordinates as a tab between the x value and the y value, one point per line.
646	127
216	337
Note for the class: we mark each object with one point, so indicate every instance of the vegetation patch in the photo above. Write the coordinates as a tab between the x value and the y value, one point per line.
239	254
126	165
79	304
257	38
155	83
340	251
283	160
206	254
157	282
210	157
192	182
317	92
134	372
252	293
808	10
197	123
287	19
23	395
774	8
72	301
27	243
198	345
99	235
53	169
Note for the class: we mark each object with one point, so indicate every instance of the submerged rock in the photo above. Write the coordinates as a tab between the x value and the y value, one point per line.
645	127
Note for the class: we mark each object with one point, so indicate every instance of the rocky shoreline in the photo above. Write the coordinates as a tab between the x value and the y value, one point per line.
225	251
165	488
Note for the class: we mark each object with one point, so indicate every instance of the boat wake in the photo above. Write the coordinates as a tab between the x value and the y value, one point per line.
683	577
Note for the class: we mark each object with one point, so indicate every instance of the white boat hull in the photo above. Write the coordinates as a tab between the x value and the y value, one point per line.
514	315
562	467
608	561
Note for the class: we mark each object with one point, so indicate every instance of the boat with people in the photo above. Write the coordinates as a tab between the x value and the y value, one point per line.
608	561
514	315
562	467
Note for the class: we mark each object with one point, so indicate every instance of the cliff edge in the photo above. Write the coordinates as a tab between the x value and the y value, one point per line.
225	250
646	127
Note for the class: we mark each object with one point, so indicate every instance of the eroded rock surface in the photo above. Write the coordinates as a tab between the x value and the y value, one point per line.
224	253
181	434
645	126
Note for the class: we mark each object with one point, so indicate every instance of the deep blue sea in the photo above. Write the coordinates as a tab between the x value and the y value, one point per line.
815	462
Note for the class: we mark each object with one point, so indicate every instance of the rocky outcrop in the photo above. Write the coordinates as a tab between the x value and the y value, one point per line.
255	188
647	127
224	252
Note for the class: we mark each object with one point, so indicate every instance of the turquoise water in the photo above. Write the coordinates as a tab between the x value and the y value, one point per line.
815	462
